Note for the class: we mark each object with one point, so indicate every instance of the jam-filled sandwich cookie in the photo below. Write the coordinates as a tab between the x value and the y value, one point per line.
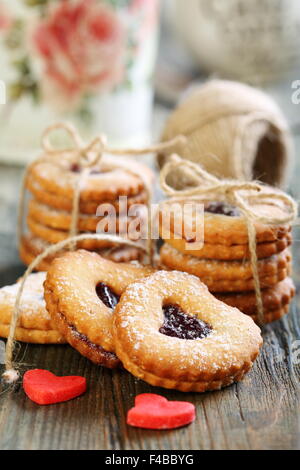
61	220
275	299
52	235
34	323
106	182
228	276
225	232
171	332
30	247
81	292
88	207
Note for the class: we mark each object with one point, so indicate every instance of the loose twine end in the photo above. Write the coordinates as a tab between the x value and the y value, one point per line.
10	376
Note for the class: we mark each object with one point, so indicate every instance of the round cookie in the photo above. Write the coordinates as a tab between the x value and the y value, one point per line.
86	207
171	332
52	236
120	254
271	315
274	298
61	220
34	323
30	335
210	271
27	257
233	252
236	285
31	247
81	291
222	224
107	181
218	270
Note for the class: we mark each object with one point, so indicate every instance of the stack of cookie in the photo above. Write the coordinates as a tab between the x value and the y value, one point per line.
223	262
49	210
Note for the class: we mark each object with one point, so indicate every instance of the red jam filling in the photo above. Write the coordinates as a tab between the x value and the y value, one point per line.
217	207
107	295
180	325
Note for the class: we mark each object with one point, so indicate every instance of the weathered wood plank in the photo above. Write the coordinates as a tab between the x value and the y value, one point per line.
262	412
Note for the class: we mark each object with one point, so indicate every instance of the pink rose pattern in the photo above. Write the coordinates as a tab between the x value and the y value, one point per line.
148	10
5	19
81	46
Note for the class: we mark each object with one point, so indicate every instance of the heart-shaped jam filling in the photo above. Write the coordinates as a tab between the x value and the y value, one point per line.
217	207
75	168
107	295
180	325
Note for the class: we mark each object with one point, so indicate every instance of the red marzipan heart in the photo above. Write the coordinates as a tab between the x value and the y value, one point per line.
153	411
45	388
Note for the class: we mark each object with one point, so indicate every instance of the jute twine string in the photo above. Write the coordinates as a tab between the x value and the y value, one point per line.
241	125
11	374
237	193
86	156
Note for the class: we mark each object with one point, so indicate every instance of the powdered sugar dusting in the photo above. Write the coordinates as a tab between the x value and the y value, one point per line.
233	339
74	277
32	300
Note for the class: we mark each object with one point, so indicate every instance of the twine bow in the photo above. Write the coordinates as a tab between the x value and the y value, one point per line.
237	193
99	145
86	156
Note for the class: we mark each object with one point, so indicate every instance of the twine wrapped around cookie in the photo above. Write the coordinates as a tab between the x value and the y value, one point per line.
233	131
11	374
241	194
87	156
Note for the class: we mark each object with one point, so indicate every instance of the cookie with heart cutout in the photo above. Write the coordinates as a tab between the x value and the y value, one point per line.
112	178
171	332
81	292
222	223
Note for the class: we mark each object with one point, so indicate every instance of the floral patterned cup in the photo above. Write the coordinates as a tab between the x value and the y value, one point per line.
88	61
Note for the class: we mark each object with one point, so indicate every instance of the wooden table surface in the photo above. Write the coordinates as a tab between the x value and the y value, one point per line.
262	412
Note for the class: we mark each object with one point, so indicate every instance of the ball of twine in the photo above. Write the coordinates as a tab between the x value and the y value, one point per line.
232	130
